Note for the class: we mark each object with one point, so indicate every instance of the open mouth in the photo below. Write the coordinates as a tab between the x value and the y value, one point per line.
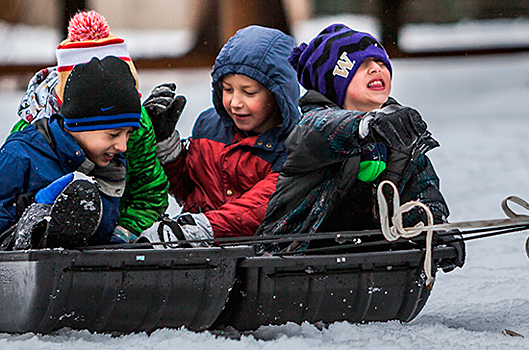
108	156
377	84
241	116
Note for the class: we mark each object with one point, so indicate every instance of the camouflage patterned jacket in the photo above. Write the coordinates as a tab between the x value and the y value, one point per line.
318	189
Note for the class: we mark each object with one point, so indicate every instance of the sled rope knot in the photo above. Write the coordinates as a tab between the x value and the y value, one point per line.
392	233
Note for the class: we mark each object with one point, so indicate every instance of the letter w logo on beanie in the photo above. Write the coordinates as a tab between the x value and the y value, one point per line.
343	66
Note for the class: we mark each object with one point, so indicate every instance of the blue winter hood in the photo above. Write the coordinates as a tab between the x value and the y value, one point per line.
260	53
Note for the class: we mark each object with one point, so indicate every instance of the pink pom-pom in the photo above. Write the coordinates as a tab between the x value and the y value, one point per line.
88	25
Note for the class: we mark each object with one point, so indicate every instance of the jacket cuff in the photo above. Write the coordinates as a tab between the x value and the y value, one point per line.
169	149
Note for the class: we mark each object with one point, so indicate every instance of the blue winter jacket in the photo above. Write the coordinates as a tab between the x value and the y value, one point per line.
28	162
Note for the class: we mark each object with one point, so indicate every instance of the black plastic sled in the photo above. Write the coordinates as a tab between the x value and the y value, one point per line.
133	290
356	287
124	290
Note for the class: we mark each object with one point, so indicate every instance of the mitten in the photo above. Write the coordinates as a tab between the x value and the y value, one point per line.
122	234
399	128
196	227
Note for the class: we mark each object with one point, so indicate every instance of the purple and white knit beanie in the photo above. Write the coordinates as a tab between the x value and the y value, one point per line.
329	62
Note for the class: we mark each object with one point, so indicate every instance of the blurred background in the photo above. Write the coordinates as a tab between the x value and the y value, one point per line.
189	33
462	63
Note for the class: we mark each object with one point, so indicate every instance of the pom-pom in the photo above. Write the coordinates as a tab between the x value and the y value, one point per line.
293	59
88	25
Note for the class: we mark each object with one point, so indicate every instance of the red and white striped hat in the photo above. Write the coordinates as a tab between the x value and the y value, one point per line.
89	36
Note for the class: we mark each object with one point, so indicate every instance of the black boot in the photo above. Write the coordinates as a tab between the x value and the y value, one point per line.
75	215
31	228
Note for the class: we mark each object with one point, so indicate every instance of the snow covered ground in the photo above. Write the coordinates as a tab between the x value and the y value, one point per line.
478	109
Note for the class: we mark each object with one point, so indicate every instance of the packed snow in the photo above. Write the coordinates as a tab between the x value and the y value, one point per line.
478	109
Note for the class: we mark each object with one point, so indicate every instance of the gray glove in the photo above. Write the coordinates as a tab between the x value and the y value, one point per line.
174	233
164	108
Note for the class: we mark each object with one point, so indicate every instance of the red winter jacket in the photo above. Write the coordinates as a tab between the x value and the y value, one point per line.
226	181
223	172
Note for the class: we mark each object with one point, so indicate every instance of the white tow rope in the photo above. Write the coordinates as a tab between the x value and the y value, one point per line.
392	233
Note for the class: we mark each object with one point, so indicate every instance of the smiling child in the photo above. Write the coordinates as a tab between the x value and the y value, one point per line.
225	173
83	144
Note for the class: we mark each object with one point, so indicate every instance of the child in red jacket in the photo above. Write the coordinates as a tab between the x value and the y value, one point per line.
224	174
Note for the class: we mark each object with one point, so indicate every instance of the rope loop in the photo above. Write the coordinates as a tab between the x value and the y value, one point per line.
516	200
392	233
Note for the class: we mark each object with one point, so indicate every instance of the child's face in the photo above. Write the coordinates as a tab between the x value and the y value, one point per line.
369	88
252	107
100	146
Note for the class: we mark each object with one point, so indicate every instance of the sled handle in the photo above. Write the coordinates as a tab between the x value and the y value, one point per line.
392	233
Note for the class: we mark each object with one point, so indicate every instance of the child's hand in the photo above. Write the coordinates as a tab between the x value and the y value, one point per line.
187	230
397	126
164	108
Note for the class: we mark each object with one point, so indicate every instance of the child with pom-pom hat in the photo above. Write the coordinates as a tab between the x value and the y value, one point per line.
89	36
71	166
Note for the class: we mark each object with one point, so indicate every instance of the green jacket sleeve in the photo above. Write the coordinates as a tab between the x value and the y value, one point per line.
20	125
146	193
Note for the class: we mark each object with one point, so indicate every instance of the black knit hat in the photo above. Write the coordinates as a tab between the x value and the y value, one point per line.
99	95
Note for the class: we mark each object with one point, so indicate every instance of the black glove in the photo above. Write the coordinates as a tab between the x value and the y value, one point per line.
164	108
459	260
398	127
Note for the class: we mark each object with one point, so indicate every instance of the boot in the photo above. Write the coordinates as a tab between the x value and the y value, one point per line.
31	228
75	215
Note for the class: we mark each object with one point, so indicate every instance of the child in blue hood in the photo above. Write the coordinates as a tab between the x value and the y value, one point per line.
224	174
69	170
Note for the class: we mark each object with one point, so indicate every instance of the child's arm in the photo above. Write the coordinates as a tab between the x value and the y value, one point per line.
324	137
180	185
145	197
13	178
242	216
